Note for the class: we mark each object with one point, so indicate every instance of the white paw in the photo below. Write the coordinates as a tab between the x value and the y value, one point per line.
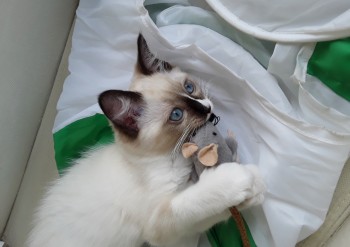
258	189
237	185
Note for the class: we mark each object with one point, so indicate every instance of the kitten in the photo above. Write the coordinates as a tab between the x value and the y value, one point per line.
137	190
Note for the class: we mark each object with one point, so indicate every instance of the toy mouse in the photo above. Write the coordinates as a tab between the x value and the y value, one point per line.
208	148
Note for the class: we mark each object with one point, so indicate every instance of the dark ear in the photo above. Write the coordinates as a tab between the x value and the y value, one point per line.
123	109
147	63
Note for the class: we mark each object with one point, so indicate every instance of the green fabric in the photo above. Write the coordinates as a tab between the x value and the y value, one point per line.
330	63
71	141
226	234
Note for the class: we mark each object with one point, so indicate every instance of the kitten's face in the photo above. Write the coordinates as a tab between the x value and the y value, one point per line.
163	107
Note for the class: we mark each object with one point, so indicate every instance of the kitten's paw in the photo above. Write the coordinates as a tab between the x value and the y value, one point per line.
238	185
258	189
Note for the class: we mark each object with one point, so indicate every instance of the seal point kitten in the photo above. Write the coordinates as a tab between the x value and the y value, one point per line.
138	190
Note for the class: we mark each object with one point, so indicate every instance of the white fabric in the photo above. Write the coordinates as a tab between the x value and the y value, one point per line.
287	20
178	14
289	64
300	158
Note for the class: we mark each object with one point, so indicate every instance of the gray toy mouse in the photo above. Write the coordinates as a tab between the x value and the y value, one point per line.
208	148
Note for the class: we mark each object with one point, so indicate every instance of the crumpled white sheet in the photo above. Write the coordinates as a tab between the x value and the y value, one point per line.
299	157
287	20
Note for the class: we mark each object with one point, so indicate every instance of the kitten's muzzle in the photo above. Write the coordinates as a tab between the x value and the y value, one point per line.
207	110
203	107
198	106
208	105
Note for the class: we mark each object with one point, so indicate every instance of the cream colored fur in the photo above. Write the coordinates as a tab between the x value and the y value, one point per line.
135	190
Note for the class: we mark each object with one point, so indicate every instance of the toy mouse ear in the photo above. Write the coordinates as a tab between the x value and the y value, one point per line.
188	149
208	155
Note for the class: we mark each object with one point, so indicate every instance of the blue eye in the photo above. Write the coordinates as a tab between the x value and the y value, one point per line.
189	87
176	114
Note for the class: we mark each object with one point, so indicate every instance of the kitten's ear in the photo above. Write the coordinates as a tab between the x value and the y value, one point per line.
147	63
123	109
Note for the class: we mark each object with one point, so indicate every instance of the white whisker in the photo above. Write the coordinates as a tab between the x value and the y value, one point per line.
187	131
205	89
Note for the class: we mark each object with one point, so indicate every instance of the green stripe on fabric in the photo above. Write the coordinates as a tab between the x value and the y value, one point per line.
74	139
226	234
330	63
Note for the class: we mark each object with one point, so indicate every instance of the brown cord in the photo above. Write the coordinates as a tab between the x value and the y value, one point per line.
241	227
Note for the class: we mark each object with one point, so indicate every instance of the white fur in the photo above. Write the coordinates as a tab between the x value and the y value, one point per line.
131	192
112	198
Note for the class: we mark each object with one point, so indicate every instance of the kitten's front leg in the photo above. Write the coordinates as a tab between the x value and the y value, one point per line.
206	202
230	184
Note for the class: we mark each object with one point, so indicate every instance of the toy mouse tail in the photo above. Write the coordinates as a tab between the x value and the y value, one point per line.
240	225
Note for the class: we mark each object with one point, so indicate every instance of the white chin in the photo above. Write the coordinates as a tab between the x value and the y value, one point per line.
206	103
